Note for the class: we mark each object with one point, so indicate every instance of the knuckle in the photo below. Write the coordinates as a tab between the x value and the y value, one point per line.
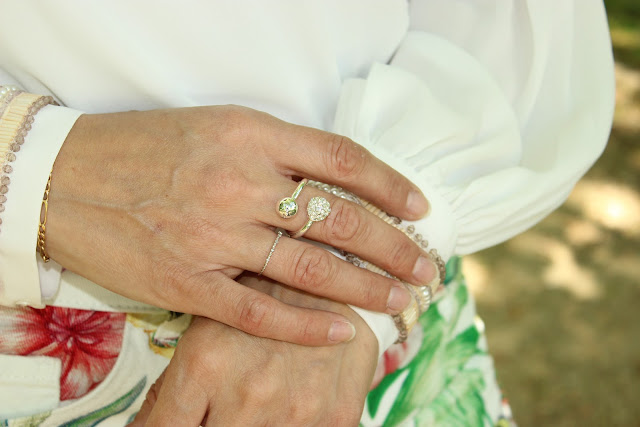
401	255
196	368
308	329
197	363
373	291
348	159
305	409
314	406
395	191
263	390
223	185
345	223
374	295
234	123
312	268
256	314
172	275
168	280
347	415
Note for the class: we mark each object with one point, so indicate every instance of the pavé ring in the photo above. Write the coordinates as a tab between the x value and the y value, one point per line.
288	206
317	209
273	249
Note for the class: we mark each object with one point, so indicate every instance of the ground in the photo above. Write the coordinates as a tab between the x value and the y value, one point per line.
561	302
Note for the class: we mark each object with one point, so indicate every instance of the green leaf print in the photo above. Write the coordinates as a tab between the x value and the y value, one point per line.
119	405
460	404
439	388
454	269
459	350
374	398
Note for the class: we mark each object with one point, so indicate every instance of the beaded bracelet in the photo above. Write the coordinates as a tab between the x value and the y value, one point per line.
422	295
18	111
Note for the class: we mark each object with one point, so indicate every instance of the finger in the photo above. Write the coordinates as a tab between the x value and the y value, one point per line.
336	159
148	404
354	229
220	298
315	270
173	400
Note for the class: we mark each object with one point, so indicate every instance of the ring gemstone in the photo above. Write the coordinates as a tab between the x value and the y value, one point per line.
287	207
318	209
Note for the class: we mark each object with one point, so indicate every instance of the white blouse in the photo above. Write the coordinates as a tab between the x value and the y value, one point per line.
495	108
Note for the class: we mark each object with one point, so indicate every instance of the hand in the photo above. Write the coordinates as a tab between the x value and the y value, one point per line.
222	376
168	206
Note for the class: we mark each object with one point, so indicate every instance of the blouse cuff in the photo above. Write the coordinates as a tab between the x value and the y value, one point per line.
438	226
28	385
381	325
19	272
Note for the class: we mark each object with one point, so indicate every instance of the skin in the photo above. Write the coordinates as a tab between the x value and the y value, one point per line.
168	207
220	376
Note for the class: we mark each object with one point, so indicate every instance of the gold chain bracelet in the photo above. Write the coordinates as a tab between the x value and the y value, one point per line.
42	228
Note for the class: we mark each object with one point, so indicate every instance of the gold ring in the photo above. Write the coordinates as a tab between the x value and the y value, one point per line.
273	248
288	206
317	209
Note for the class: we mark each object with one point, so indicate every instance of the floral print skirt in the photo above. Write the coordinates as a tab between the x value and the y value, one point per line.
441	376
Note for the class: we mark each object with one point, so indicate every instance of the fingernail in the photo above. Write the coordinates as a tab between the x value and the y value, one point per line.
424	271
341	331
417	204
399	299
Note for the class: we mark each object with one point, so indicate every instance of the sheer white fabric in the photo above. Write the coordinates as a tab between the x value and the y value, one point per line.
495	108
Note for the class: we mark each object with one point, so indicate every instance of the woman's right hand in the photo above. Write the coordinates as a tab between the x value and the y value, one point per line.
167	207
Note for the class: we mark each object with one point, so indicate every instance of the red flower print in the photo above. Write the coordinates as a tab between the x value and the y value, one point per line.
87	342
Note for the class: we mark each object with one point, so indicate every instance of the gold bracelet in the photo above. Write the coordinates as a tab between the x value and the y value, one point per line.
42	228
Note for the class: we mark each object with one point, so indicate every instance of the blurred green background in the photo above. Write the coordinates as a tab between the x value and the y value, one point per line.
561	303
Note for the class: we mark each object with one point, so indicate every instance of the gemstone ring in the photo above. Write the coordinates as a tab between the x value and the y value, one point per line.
317	209
288	206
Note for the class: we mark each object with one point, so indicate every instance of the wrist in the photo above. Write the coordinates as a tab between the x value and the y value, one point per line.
66	174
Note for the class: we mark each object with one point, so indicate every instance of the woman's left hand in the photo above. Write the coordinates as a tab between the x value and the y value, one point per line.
222	376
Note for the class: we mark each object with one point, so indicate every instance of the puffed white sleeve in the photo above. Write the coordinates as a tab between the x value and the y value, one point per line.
24	278
495	109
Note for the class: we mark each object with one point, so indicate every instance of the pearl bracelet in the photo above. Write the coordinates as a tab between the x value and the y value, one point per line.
7	94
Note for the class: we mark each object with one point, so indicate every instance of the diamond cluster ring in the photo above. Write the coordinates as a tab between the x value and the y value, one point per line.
317	209
288	206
